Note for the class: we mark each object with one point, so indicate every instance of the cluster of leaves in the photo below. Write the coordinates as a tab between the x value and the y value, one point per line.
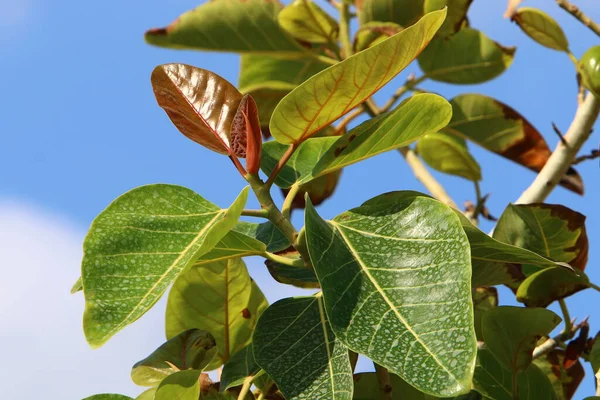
403	279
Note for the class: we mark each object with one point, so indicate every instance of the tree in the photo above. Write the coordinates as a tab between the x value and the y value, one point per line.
405	279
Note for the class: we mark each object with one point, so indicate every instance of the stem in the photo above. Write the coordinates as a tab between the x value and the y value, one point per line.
238	165
408	86
566	316
345	29
347	119
284	159
515	387
577	13
286	209
562	157
291	262
594	286
255	213
385	384
245	387
423	175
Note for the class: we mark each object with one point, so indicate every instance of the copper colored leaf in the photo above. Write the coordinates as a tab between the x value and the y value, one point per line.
502	130
200	103
565	380
246	137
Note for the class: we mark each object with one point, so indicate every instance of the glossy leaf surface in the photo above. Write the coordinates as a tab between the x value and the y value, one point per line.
139	245
449	154
494	381
502	130
182	385
295	345
325	97
542	28
238	368
306	21
192	349
467	57
392	291
544	287
200	103
241	26
219	298
511	333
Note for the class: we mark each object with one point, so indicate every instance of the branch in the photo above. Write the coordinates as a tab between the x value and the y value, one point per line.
411	82
577	13
282	161
562	158
255	213
385	384
345	29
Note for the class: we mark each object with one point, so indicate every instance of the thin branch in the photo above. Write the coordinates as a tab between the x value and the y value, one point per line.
345	29
238	165
551	343
562	158
592	156
286	209
566	316
351	116
255	213
245	387
408	86
282	161
385	383
577	13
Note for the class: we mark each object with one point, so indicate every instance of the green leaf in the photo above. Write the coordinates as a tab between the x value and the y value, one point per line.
484	298
192	349
333	92
595	355
511	333
416	116
396	277
466	57
306	21
77	286
457	14
294	344
502	130
374	32
543	287
108	397
493	381
219	298
267	233
241	26
270	79
182	385
147	395
299	277
542	28
139	245
449	154
240	366
554	231
401	12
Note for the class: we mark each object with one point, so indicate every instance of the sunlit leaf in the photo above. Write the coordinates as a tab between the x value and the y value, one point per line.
295	345
77	286
457	14
147	394
240	366
449	154
401	12
219	298
333	92
565	380
554	231
499	128
373	33
200	103
543	287
417	116
494	381
511	333
306	21
192	349
542	28
464	58
241	26
396	280
182	385
139	245
484	298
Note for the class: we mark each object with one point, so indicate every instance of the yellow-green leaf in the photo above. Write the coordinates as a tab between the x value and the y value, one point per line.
542	28
457	14
306	21
448	153
401	12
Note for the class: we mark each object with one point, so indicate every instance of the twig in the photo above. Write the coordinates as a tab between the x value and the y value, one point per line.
385	384
566	316
410	83
577	13
347	119
562	157
345	29
282	161
255	213
286	209
559	133
594	154
245	387
551	343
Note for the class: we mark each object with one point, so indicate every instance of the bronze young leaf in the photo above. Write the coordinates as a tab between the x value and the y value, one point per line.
246	138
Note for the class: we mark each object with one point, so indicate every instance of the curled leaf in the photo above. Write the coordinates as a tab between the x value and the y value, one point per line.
246	137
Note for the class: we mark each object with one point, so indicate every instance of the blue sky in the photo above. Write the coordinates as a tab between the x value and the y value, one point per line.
80	126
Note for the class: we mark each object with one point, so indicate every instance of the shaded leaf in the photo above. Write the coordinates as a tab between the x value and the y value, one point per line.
200	103
192	349
466	57
565	380
449	154
137	247
499	128
401	12
331	93
554	231
296	276
306	21
493	381
267	233
542	28
108	397
416	116
595	355
220	298
240	366
241	26
318	190
541	288
511	333
392	291
457	14
374	32
484	298
294	344
182	385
